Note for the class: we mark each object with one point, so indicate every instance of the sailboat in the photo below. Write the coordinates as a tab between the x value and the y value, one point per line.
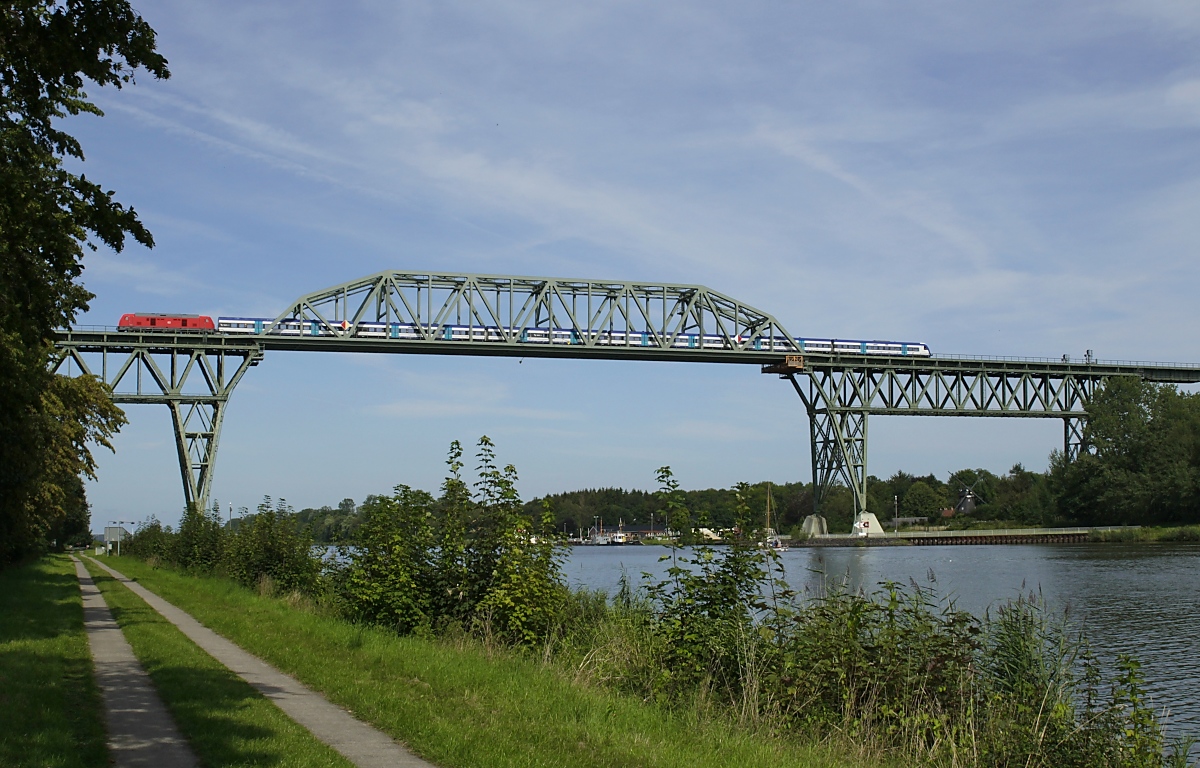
773	541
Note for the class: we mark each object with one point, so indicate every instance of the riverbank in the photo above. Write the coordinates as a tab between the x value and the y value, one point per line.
463	703
1165	535
1008	536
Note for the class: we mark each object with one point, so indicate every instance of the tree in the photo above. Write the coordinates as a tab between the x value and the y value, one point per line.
269	545
70	414
389	580
48	51
1145	468
920	501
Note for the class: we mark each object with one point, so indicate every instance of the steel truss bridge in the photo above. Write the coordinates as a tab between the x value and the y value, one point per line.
194	374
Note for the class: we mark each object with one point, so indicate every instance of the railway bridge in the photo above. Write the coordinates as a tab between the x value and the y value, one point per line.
392	312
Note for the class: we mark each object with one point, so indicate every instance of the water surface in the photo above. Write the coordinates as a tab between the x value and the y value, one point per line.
1141	599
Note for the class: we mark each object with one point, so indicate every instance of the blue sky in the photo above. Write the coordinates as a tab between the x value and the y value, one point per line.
1011	179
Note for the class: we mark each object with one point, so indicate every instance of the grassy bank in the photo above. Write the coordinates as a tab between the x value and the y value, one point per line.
50	709
227	722
461	704
1184	533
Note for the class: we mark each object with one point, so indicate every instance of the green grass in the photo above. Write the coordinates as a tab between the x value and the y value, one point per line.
51	713
1160	534
463	706
227	722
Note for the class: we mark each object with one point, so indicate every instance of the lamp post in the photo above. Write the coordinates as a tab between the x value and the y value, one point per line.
121	535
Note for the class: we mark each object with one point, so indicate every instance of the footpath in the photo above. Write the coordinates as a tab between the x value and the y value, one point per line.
140	730
361	744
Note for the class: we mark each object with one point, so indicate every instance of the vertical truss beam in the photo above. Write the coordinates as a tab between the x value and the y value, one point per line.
193	375
839	447
197	426
839	450
1075	442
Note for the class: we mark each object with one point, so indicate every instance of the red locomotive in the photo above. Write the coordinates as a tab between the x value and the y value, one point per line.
139	320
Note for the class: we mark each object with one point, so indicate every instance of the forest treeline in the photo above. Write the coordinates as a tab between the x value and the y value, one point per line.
1143	469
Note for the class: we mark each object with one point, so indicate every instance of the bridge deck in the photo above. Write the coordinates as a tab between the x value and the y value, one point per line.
112	340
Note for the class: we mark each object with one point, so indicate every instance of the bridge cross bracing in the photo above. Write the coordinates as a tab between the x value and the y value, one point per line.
839	383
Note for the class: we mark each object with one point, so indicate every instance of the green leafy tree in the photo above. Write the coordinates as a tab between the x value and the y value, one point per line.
516	559
72	414
199	545
1145	468
48	52
270	544
1023	496
150	540
450	561
390	580
920	501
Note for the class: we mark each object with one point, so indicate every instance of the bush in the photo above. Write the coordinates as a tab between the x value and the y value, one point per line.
706	613
270	545
489	567
389	580
150	540
199	543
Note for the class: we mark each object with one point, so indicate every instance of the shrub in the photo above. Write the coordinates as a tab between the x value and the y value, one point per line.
269	544
515	560
389	580
488	567
199	543
150	540
706	612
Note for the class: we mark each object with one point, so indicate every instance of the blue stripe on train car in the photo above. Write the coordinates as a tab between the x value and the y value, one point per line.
863	347
258	326
448	333
904	349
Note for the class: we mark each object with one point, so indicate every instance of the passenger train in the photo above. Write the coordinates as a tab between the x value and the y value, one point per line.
559	336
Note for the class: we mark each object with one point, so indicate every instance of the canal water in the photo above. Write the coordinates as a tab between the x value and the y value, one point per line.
1140	599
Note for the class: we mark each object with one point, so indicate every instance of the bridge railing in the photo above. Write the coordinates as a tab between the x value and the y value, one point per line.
1059	360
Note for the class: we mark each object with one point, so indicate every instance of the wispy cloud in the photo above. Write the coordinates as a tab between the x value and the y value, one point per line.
141	274
936	217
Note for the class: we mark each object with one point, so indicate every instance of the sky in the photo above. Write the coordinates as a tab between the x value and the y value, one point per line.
1017	178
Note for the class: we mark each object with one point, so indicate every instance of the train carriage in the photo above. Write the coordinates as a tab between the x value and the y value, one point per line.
494	334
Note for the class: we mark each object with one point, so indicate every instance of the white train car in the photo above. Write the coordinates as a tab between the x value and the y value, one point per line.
568	337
